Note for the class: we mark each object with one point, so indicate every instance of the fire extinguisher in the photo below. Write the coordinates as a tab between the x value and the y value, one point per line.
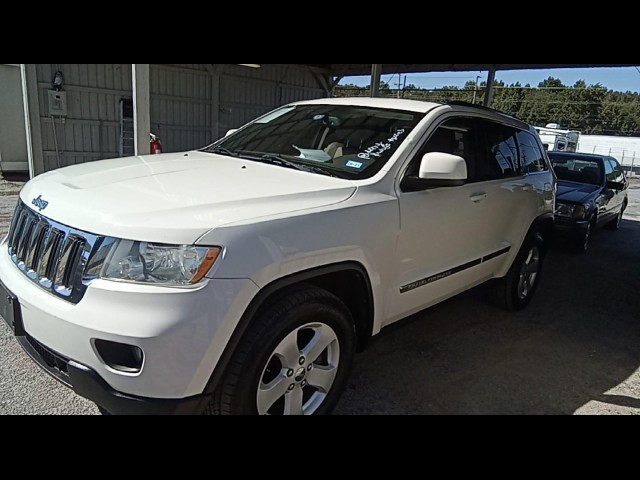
156	146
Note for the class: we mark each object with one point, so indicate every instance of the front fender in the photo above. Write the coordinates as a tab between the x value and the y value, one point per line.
363	231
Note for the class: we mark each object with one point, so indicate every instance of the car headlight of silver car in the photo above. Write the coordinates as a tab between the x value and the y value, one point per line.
154	263
567	210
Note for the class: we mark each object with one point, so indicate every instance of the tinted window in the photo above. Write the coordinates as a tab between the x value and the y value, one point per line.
531	155
609	170
579	169
456	137
350	141
502	151
617	170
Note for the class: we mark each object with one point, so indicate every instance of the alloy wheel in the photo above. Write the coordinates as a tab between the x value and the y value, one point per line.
529	273
300	372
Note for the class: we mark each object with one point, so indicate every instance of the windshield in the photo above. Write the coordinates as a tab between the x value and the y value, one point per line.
345	141
577	169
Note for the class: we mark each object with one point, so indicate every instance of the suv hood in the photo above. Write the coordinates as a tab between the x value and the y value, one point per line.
575	192
176	198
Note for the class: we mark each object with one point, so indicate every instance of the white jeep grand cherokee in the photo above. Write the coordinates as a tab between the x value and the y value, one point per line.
242	278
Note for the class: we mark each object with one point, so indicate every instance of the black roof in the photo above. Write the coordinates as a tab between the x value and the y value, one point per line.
459	103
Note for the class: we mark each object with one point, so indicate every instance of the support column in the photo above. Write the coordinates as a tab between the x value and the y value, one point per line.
215	105
491	80
141	107
32	119
215	71
324	81
376	75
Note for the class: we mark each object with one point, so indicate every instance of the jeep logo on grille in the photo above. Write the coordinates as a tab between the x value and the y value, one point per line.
39	203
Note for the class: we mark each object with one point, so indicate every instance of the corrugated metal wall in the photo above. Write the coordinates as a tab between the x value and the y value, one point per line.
92	129
181	108
13	137
191	104
246	93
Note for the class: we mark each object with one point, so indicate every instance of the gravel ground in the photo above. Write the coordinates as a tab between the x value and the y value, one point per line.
574	351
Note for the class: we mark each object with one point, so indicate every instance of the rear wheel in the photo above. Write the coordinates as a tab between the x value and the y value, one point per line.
516	290
294	360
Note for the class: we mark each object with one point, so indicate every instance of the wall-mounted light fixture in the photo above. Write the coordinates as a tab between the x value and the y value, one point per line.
58	81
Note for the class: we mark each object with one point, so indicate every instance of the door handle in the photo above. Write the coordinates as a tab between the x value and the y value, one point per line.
478	197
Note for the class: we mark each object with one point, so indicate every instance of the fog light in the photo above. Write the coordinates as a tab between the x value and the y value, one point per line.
120	357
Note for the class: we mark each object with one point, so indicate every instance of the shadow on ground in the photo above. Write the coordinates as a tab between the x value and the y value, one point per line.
579	339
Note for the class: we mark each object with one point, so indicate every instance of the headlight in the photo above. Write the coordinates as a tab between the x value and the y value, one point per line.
564	210
577	212
156	264
580	212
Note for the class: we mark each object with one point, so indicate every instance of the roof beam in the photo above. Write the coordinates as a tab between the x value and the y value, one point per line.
365	68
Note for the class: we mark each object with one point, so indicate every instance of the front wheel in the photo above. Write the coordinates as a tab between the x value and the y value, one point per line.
516	290
584	242
294	360
616	224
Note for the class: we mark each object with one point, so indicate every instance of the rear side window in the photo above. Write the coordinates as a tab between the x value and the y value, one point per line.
501	151
531	155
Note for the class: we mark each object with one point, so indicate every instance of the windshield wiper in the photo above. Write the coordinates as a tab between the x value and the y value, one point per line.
221	151
283	162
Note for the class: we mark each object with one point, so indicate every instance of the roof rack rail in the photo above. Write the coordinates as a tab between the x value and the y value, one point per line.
460	103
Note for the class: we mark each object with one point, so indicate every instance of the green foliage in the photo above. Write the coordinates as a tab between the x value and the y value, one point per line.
592	109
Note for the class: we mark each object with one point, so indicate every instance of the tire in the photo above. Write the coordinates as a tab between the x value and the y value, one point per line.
103	412
614	225
583	243
515	291
270	374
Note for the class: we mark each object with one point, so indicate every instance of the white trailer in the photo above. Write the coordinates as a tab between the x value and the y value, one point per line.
556	139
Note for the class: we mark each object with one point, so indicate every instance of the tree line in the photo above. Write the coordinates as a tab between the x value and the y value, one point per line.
591	109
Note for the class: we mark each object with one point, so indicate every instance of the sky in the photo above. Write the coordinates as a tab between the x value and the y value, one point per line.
619	79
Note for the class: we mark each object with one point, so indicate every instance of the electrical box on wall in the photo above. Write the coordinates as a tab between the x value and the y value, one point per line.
57	103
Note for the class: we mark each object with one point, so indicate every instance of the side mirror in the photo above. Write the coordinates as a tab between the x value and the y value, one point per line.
615	186
231	132
438	170
443	170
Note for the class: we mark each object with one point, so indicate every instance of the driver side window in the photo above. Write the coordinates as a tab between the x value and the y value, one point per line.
609	171
457	136
617	171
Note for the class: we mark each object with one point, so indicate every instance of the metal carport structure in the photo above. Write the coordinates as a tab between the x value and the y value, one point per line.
378	69
193	103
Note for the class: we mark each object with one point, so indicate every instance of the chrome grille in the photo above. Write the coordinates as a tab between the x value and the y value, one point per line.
52	255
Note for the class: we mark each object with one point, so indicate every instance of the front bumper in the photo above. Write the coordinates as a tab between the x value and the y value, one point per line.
182	332
88	384
569	228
